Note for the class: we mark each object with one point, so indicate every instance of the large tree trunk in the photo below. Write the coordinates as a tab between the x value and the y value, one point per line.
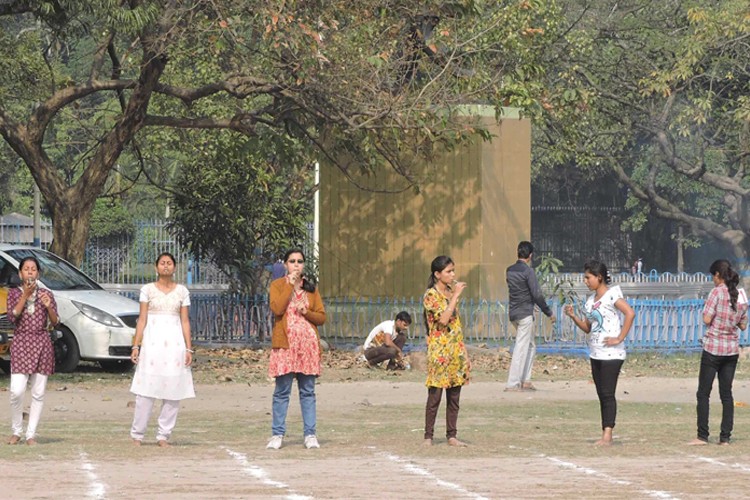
71	206
72	220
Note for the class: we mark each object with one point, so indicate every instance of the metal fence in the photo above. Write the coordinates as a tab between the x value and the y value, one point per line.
665	325
129	260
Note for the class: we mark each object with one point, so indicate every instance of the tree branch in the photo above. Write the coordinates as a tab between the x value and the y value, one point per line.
47	110
243	123
668	210
696	172
237	86
96	66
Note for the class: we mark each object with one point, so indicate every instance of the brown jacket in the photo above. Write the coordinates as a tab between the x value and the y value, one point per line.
281	294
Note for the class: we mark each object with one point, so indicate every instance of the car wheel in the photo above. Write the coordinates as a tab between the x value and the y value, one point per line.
67	354
116	365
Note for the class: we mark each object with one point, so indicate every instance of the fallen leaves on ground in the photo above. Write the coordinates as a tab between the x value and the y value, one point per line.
226	364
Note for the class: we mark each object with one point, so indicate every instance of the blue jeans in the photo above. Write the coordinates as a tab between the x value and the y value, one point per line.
724	367
306	385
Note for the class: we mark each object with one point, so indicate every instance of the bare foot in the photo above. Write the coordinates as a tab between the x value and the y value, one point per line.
724	443
697	442
427	442
162	443
31	442
528	386
14	439
456	442
604	442
136	442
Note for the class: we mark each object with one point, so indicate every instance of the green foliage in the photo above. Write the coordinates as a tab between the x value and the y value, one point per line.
660	88
112	220
547	274
242	204
97	96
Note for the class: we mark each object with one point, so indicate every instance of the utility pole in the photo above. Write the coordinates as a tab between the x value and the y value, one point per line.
37	217
680	256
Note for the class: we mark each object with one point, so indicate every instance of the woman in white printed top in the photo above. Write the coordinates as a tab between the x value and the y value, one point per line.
725	314
163	351
606	336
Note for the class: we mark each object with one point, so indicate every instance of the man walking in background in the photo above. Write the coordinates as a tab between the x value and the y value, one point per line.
523	294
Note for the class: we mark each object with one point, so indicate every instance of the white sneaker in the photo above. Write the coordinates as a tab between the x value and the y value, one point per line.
311	442
275	443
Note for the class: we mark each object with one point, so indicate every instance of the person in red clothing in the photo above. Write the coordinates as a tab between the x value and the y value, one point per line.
295	347
32	357
725	315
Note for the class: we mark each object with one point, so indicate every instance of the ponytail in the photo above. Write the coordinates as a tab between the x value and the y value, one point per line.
730	277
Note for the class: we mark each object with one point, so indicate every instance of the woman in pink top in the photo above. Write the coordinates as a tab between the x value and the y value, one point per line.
725	311
32	356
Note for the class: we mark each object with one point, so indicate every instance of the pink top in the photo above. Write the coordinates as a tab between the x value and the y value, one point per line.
722	335
303	355
31	351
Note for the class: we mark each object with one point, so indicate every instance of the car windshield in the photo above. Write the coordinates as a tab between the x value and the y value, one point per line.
56	273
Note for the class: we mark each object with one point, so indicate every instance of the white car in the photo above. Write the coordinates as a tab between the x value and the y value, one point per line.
95	324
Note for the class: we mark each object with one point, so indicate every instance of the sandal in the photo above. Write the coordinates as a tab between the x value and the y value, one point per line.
14	439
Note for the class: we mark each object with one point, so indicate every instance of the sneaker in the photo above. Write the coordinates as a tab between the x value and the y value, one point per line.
311	442
275	443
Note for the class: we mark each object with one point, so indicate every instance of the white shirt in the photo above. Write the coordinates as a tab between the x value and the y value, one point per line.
605	322
387	327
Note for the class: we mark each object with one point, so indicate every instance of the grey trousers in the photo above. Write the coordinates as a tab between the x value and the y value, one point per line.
523	353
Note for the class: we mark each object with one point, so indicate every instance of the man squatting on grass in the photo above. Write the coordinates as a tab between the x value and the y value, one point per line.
386	342
523	294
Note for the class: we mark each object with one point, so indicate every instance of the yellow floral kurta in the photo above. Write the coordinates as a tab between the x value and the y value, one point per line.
447	360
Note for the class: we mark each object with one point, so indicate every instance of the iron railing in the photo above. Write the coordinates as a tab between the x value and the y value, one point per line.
665	325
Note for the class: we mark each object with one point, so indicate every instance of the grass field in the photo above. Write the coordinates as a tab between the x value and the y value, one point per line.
522	445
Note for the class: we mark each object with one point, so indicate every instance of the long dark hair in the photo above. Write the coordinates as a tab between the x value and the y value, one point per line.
307	285
598	269
438	264
723	268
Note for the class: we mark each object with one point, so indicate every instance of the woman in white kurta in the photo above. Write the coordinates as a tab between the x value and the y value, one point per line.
162	350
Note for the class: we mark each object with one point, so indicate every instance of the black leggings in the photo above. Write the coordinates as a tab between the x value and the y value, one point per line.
711	367
606	373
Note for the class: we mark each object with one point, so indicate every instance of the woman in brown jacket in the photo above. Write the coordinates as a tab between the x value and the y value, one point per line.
298	311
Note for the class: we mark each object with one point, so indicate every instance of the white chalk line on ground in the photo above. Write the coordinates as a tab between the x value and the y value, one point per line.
97	489
412	468
713	461
664	495
261	475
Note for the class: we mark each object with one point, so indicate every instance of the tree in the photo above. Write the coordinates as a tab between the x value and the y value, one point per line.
661	93
243	202
368	84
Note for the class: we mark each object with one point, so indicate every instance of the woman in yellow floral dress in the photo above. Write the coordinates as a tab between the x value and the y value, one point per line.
448	363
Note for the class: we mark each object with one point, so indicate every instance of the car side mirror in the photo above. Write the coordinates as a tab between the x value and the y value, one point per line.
14	280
